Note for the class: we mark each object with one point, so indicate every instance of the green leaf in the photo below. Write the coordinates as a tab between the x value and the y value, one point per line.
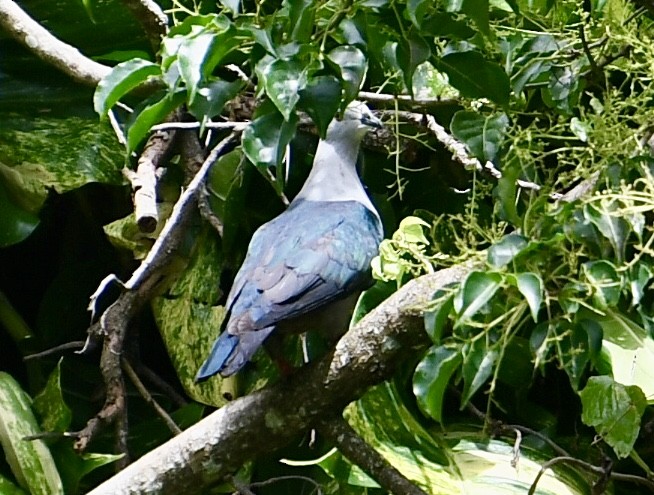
411	52
476	77
265	140
629	349
477	10
8	488
189	321
475	292
370	299
233	5
50	405
483	134
639	276
152	114
478	363
502	252
605	281
436	319
531	287
301	16
416	10
352	66
210	99
612	226
321	99
16	223
283	80
573	351
431	377
564	89
30	460
122	79
614	410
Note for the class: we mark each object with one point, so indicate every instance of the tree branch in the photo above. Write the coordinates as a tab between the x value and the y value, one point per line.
44	45
218	445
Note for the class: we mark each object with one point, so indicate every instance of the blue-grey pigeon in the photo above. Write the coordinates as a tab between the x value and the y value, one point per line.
305	268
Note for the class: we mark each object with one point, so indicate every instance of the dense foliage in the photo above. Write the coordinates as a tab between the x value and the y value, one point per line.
545	350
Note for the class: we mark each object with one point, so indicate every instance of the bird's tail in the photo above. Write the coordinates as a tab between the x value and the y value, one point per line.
231	352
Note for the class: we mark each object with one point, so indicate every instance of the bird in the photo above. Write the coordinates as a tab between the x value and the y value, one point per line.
305	269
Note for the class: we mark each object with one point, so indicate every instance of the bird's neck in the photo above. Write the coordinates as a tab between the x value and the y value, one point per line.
334	176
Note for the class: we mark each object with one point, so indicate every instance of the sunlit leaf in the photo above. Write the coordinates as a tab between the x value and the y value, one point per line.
210	99
431	377
30	460
283	80
475	292
614	410
502	252
265	140
531	286
122	79
352	64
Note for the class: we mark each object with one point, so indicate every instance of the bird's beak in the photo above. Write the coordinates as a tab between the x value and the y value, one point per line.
372	121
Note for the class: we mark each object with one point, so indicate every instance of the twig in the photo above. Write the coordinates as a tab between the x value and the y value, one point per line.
352	446
406	100
78	344
144	180
136	381
39	41
139	289
277	479
161	384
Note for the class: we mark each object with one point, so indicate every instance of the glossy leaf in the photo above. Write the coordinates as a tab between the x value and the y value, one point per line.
615	228
283	80
321	99
301	16
265	140
122	79
352	64
615	410
483	134
605	281
476	77
16	222
211	98
476	291
152	114
573	351
532	288
502	252
30	460
436	319
411	52
629	349
478	364
431	377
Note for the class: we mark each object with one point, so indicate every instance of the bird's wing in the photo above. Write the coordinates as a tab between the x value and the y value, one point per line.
312	254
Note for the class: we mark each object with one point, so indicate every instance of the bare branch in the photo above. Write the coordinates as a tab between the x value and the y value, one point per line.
44	45
153	20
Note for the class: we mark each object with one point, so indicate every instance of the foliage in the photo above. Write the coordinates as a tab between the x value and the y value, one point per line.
555	331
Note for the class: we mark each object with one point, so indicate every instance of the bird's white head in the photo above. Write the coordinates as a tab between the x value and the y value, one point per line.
357	120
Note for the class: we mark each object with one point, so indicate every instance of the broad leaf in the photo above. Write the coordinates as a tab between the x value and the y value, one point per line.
436	319
502	252
476	77
265	140
605	281
483	134
531	287
211	98
50	405
352	64
612	226
431	377
411	52
283	80
30	460
614	410
155	113
121	80
478	363
321	99
475	292
16	222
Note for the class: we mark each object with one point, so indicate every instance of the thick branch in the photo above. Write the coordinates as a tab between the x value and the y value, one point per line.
153	20
39	41
222	442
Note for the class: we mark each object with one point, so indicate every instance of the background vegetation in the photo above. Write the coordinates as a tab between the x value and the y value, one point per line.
522	145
